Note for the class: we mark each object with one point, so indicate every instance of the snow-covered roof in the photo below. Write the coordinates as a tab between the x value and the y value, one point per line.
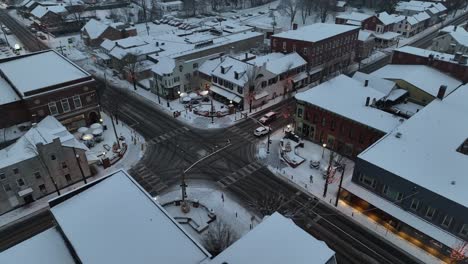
347	97
231	66
429	157
364	35
382	85
165	65
412	20
419	6
423	77
108	45
278	63
459	34
119	222
44	132
388	19
276	240
340	3
94	28
355	16
40	10
27	73
389	35
7	95
426	53
46	247
422	16
316	32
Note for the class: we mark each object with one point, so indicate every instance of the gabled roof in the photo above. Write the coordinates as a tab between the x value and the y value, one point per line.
40	11
422	16
94	28
45	132
388	19
355	16
114	220
382	85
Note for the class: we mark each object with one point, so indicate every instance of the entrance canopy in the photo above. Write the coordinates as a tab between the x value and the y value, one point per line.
25	192
226	94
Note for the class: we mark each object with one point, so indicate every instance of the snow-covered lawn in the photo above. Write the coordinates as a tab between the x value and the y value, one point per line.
230	211
301	178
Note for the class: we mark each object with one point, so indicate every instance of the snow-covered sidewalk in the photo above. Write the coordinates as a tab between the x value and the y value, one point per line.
226	207
301	178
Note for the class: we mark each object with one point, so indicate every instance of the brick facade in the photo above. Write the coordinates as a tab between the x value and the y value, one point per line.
340	134
339	49
459	71
110	33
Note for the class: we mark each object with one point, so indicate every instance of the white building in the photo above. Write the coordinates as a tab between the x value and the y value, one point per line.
251	81
453	40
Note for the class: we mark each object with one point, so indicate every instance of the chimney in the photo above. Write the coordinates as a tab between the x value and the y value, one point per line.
223	70
157	43
366	83
294	26
454	28
246	56
441	92
367	101
463	60
236	75
374	101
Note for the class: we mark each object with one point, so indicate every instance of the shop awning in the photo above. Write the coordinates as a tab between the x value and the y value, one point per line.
301	76
226	94
25	192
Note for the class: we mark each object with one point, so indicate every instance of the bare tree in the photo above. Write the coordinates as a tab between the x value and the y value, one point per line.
289	8
219	237
253	75
132	65
76	11
144	15
268	203
305	7
324	8
189	7
32	148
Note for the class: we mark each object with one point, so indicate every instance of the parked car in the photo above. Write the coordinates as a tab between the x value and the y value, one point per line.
177	23
268	117
261	131
314	164
157	22
261	12
41	36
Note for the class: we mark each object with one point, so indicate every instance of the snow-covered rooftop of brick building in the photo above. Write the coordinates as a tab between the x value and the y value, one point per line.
316	32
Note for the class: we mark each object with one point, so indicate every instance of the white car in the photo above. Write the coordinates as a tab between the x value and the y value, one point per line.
261	131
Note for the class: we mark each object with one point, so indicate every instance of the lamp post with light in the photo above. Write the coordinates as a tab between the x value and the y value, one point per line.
324	145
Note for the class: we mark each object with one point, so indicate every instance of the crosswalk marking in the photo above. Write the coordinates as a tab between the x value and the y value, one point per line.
168	135
240	174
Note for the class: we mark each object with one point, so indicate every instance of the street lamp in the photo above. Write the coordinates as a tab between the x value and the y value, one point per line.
178	92
323	149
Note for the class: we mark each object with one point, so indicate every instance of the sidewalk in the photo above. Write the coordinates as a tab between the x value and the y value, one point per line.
133	155
300	177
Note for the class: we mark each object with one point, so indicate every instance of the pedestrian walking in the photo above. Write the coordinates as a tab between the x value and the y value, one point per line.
222	197
311	179
229	141
236	214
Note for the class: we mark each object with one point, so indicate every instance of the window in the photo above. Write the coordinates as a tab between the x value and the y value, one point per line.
361	138
385	189
68	177
414	204
430	212
53	108
367	180
240	89
294	47
6	187
15	171
20	182
399	196
332	125
77	101
350	133
64	165
264	84
284	44
324	121
42	188
37	175
52	157
299	112
65	105
447	221
2	176
314	119
305	51
464	230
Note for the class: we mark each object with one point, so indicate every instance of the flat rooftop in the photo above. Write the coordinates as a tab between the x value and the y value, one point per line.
114	220
426	153
39	70
277	240
316	32
347	97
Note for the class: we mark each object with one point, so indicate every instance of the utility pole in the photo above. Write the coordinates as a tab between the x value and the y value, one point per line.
330	161
268	141
212	110
339	186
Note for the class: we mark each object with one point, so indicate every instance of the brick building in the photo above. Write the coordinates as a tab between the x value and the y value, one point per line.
95	32
457	66
62	89
326	47
342	113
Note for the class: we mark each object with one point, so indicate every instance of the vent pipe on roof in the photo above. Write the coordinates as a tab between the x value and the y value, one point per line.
441	93
455	28
366	83
367	101
374	101
398	135
295	26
